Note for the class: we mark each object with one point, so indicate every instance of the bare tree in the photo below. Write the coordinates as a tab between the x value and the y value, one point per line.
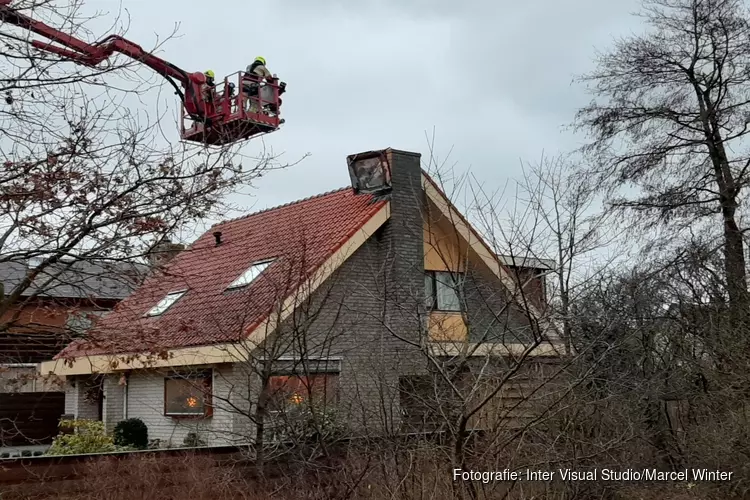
84	178
553	218
669	119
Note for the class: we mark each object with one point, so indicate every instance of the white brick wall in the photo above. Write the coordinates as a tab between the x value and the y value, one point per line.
114	400
71	397
146	401
75	402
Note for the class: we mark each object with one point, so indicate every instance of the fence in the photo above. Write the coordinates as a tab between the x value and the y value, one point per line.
30	417
48	477
51	476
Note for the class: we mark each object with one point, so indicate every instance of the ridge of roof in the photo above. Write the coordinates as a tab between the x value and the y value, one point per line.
284	205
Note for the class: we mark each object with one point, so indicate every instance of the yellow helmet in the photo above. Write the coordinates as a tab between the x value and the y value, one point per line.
261	60
210	74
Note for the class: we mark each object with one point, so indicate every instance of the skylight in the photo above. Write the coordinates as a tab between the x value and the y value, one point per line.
165	303
248	276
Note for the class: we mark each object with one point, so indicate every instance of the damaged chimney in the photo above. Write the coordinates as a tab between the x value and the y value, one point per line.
217	236
370	172
164	252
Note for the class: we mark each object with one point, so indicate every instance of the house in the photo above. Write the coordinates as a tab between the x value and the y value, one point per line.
342	298
59	304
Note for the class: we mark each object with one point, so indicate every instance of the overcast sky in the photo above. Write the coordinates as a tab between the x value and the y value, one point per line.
494	78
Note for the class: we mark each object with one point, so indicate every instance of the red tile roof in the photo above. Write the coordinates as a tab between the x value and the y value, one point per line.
300	235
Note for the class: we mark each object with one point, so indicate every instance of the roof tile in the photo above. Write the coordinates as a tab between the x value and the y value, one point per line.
299	235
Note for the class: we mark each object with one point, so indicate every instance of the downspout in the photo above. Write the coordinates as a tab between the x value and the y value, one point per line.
124	379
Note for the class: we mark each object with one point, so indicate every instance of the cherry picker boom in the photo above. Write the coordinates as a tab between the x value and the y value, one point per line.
216	117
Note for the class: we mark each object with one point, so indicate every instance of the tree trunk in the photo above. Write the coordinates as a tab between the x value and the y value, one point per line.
565	310
259	445
260	442
734	255
459	454
734	263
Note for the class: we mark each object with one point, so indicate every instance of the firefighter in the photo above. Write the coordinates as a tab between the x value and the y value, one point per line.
258	69
208	87
255	73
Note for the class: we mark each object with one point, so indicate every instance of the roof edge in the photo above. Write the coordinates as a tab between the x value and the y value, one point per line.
500	266
284	205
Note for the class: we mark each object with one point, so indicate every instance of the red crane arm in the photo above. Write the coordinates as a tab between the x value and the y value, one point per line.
88	54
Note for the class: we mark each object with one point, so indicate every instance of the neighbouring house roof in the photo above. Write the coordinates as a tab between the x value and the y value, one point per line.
77	280
299	237
30	347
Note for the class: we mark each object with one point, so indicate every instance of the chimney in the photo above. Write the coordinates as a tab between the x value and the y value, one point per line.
217	236
164	252
370	172
396	176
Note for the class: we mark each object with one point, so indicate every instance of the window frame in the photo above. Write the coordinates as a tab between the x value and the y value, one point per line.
282	412
237	284
331	398
432	299
206	376
180	293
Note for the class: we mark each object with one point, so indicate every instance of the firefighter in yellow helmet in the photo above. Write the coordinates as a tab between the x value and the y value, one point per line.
258	69
207	89
255	73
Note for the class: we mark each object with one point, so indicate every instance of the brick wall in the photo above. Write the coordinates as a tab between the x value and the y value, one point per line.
114	401
71	399
370	312
371	307
493	313
145	400
76	403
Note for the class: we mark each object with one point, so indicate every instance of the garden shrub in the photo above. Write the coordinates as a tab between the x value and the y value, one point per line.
193	440
88	436
131	433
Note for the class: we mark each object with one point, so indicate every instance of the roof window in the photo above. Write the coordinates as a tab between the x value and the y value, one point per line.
165	303
248	276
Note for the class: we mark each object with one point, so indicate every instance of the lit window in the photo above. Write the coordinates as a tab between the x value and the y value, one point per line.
248	276
441	290
287	391
165	303
188	395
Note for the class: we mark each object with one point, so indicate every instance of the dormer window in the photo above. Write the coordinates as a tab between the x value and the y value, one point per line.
248	276
165	303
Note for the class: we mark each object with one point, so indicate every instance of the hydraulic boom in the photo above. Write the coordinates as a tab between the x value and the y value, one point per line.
222	119
91	55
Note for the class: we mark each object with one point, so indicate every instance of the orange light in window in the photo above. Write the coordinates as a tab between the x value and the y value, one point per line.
296	399
192	402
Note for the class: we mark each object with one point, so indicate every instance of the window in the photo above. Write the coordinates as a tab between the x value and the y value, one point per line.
441	290
188	395
165	303
289	391
297	404
248	276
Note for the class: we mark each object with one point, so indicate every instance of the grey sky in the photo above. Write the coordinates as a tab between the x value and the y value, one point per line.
493	78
